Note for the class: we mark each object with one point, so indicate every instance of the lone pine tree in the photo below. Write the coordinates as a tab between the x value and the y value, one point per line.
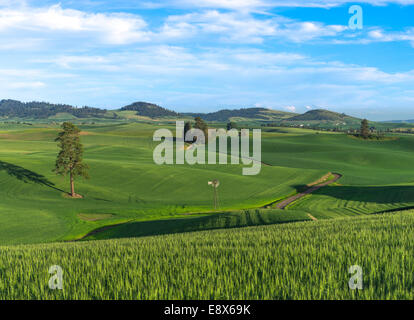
364	129
69	159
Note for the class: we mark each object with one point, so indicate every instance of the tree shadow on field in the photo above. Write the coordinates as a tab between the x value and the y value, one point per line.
300	188
374	194
26	175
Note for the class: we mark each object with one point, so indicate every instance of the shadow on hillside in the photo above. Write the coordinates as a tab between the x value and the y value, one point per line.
26	175
377	194
156	227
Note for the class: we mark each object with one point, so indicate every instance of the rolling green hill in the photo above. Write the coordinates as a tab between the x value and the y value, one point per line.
126	185
243	115
124	182
150	110
43	110
168	210
325	119
322	115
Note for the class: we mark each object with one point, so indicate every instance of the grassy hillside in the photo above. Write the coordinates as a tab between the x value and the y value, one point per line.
162	207
126	185
321	114
150	110
377	175
145	112
361	162
305	260
44	110
222	220
124	182
240	115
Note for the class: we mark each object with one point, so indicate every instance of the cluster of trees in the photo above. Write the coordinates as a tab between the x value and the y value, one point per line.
367	132
199	124
202	125
364	131
225	115
42	110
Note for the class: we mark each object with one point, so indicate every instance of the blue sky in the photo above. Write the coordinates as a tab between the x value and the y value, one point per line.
204	55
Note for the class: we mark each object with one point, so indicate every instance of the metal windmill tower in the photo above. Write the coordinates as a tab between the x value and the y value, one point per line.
215	184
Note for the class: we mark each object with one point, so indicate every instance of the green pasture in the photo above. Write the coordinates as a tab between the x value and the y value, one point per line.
149	231
377	175
125	183
127	187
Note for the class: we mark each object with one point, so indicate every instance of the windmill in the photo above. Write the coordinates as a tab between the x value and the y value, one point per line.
215	184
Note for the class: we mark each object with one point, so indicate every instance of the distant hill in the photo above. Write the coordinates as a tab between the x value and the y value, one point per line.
321	115
151	110
400	121
44	110
145	110
242	114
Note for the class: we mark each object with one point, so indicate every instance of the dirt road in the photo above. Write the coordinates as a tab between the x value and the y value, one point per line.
283	204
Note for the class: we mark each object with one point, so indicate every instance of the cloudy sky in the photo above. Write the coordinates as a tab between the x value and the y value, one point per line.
203	55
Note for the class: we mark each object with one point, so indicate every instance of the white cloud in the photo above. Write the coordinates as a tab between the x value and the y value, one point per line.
121	28
268	58
232	68
27	85
255	5
116	28
78	61
242	27
378	35
333	3
227	4
232	26
291	108
305	31
211	26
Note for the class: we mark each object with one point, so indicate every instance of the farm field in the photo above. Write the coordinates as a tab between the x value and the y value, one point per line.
126	187
303	260
125	183
135	211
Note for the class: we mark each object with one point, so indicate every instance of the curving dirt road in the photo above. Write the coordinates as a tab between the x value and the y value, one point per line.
283	204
